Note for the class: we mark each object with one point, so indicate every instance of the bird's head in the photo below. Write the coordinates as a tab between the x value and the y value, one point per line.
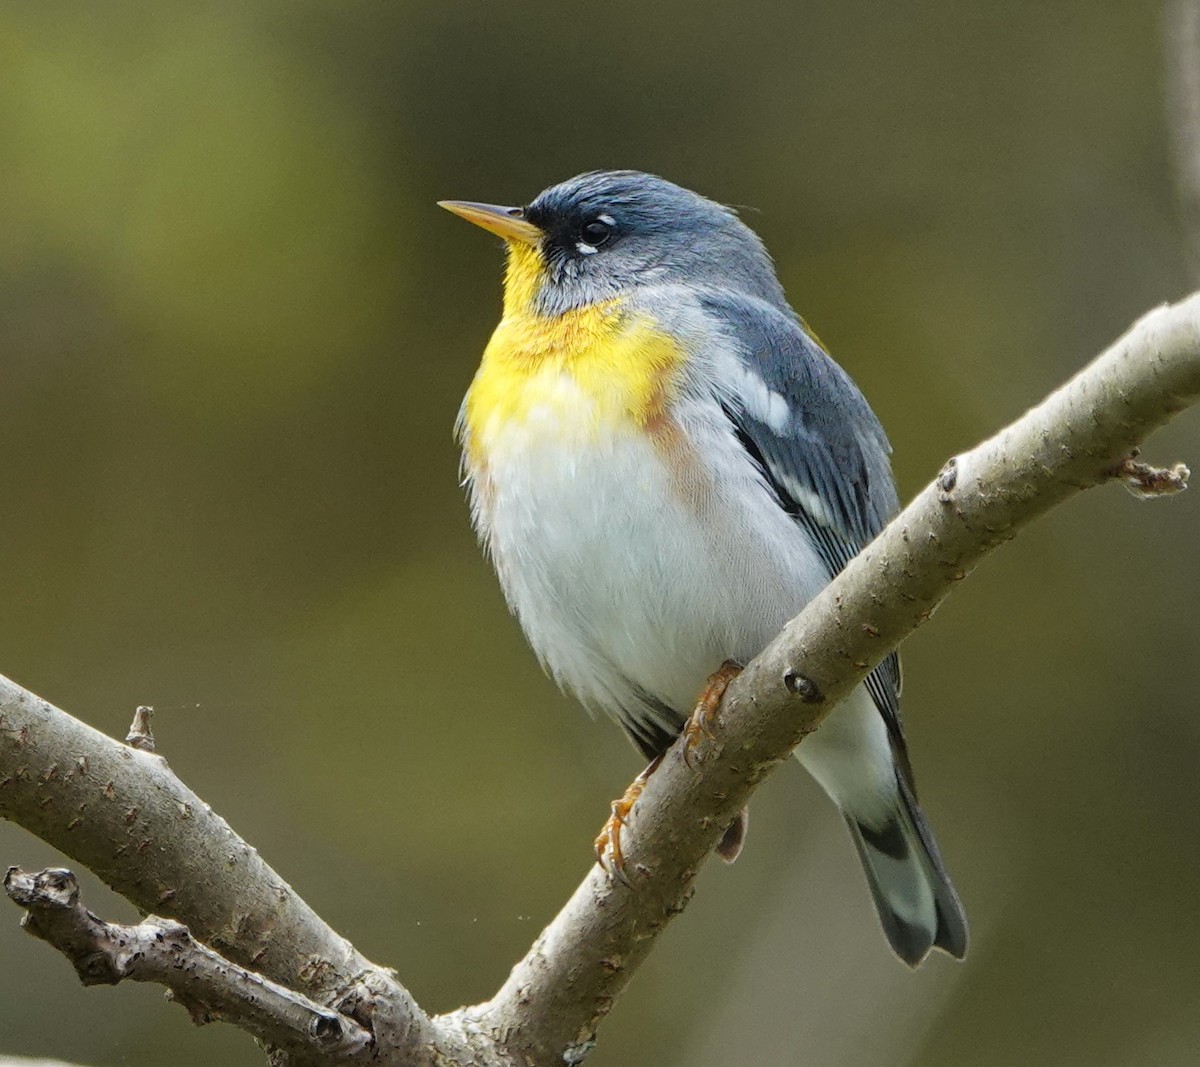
600	235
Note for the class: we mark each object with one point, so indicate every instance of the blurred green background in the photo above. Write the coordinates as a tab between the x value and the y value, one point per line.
235	332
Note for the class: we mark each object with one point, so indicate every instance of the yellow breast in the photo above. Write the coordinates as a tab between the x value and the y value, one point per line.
568	378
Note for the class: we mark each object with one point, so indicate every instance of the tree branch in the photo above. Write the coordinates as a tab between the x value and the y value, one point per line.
22	1061
163	951
1080	436
76	788
123	813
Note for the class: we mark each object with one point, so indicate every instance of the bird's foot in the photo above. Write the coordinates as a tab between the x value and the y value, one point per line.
608	841
704	718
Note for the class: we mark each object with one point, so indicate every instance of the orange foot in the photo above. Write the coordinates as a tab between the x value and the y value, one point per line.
608	841
704	717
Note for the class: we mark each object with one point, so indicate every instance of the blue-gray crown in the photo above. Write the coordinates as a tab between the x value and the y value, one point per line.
610	230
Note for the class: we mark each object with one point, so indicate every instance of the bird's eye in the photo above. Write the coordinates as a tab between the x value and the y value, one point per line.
596	232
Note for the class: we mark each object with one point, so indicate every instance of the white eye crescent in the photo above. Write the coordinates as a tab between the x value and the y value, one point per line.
596	232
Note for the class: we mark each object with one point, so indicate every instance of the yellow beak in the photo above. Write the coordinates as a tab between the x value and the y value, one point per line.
507	222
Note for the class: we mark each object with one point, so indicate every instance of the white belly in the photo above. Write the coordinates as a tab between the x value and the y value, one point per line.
630	579
627	574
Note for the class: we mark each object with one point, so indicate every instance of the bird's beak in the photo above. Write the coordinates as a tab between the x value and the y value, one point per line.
508	222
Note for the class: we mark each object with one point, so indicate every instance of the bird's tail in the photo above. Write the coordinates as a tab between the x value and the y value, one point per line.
917	905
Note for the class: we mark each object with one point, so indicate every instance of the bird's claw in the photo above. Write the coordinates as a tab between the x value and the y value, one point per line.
608	845
608	841
704	717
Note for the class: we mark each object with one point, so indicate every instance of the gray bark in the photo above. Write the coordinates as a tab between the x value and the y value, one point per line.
124	814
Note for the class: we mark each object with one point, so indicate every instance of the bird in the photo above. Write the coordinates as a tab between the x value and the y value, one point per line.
664	466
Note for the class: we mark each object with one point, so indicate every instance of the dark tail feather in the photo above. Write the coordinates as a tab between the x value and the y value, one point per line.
917	905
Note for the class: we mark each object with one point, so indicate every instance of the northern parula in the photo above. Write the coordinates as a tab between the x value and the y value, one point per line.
665	466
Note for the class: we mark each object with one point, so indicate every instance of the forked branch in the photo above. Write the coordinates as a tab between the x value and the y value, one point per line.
124	814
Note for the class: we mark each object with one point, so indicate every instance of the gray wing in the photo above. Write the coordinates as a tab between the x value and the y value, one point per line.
821	449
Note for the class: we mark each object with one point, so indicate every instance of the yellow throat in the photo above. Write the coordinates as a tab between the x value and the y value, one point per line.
567	377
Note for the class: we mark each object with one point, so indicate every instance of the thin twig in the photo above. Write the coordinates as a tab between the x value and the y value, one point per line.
23	1061
124	814
209	986
140	735
1147	482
